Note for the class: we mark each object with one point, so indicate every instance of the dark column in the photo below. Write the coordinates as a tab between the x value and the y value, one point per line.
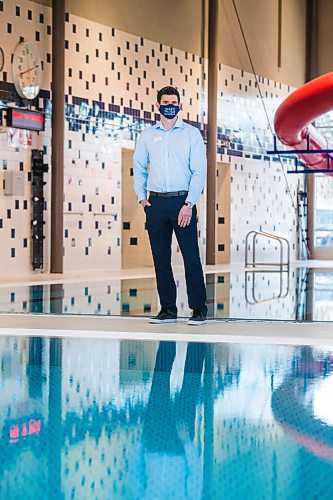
310	295
311	214
279	34
211	294
208	452
56	298
311	39
58	126
55	434
212	129
35	367
311	71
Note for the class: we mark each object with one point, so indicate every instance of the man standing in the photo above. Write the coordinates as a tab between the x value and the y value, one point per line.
175	153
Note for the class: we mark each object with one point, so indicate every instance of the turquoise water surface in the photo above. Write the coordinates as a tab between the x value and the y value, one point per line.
102	419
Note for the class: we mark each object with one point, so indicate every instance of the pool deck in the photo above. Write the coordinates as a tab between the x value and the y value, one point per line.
40	278
113	327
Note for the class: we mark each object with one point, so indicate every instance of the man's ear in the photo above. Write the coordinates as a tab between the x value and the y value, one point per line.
181	106
157	105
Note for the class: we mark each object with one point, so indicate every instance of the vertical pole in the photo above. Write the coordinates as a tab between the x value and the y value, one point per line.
208	452
311	71
311	220
55	445
212	129
35	368
311	63
58	134
279	57
203	56
310	296
211	294
56	298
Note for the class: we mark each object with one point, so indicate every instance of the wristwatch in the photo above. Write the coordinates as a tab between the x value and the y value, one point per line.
189	204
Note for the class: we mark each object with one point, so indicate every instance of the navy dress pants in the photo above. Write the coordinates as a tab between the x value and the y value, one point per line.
161	221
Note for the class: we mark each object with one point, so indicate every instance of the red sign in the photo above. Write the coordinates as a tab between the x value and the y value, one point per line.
22	118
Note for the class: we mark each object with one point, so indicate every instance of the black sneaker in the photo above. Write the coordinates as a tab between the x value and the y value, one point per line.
197	318
164	316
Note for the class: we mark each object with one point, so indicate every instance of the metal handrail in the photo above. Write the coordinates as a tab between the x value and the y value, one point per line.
281	241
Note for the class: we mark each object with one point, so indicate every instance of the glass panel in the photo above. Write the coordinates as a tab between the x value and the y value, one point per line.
323	228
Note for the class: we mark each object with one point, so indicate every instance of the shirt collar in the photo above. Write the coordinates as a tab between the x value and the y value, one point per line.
179	124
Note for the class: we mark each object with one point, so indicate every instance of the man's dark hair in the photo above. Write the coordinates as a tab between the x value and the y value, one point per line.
167	91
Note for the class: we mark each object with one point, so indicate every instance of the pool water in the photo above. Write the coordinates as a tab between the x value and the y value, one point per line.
301	294
110	419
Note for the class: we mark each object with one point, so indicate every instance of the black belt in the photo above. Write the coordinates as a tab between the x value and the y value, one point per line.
168	195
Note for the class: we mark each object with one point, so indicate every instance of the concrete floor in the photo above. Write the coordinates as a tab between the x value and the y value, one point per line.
110	327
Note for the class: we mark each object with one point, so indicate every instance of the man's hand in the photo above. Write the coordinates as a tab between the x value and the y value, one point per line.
145	203
184	216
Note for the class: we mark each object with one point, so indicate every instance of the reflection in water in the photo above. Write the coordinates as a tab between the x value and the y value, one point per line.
294	403
111	419
301	294
168	464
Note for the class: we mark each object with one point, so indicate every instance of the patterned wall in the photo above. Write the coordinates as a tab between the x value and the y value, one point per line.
28	21
111	82
259	189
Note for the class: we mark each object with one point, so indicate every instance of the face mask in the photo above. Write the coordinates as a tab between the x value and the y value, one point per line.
169	111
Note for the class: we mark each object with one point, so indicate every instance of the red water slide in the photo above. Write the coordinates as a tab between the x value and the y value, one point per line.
293	119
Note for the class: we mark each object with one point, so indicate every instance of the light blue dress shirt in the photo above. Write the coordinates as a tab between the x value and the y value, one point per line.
176	159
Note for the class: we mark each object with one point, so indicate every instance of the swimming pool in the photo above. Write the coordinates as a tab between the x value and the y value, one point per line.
103	419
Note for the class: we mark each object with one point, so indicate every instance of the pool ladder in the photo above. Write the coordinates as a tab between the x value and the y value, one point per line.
283	266
269	236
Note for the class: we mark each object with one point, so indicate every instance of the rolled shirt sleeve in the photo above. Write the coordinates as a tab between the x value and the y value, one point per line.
198	167
140	168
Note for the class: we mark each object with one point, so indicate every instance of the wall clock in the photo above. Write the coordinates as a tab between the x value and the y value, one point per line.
27	70
2	59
